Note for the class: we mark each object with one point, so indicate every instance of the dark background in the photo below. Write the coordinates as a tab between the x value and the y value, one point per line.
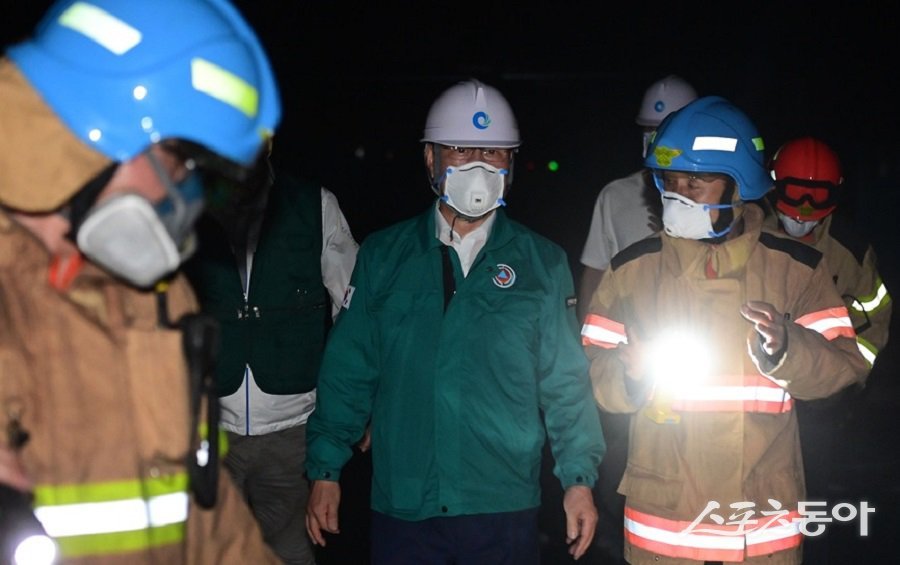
357	79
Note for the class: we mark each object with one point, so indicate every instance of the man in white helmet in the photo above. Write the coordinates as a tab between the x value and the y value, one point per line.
457	344
624	212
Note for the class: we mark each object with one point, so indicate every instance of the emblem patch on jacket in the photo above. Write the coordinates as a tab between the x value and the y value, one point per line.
505	276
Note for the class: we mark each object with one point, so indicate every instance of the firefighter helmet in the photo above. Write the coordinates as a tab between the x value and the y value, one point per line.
807	175
123	75
712	135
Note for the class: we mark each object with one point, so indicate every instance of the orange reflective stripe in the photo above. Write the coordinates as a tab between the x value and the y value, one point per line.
602	332
713	542
757	394
831	323
672	538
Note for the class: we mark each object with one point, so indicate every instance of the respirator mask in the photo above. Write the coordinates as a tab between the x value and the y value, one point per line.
140	241
684	218
474	189
796	228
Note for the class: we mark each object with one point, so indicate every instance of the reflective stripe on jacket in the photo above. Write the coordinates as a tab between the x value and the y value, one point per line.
101	518
712	541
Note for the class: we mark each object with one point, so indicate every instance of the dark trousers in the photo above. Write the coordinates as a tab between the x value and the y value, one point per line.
268	469
506	538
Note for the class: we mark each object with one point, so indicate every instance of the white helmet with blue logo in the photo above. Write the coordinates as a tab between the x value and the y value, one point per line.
472	114
662	98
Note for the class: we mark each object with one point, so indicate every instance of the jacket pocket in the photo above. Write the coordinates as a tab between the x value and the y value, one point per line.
651	488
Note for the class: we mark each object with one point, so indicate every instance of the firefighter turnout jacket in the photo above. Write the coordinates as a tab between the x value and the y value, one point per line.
727	445
98	382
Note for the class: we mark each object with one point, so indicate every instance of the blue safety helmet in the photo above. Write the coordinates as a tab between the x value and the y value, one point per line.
124	74
712	135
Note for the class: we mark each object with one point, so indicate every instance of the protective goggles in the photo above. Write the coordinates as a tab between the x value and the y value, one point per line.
817	194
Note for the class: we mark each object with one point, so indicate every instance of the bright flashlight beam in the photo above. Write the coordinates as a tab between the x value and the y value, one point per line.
36	550
679	360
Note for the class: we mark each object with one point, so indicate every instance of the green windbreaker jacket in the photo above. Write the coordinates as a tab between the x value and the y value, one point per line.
458	400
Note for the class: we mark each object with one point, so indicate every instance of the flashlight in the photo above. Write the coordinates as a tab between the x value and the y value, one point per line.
22	537
678	362
23	540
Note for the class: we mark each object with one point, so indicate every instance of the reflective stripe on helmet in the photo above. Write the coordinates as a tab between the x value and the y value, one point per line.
224	86
713	143
99	25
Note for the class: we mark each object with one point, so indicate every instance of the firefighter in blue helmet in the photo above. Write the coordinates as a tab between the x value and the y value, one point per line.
115	112
705	334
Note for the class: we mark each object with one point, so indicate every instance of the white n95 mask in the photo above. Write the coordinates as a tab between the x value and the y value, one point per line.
474	189
796	228
684	218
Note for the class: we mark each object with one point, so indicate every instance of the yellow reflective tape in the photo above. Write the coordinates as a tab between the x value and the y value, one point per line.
120	542
873	301
758	143
224	86
100	26
53	495
869	351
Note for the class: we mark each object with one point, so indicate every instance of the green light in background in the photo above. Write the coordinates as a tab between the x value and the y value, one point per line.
552	166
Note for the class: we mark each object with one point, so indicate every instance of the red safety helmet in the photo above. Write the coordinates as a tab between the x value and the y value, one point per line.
807	175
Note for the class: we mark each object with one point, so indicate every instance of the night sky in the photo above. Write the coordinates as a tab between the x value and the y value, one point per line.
357	79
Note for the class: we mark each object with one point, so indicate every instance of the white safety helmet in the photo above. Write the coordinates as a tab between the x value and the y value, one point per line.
662	98
472	114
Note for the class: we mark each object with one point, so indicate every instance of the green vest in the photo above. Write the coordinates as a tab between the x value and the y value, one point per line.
280	329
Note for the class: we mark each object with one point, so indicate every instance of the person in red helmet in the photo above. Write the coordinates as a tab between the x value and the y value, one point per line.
809	186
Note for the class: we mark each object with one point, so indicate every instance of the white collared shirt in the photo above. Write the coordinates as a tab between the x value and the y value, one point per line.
468	246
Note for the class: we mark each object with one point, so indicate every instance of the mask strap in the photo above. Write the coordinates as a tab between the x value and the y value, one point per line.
83	200
175	196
